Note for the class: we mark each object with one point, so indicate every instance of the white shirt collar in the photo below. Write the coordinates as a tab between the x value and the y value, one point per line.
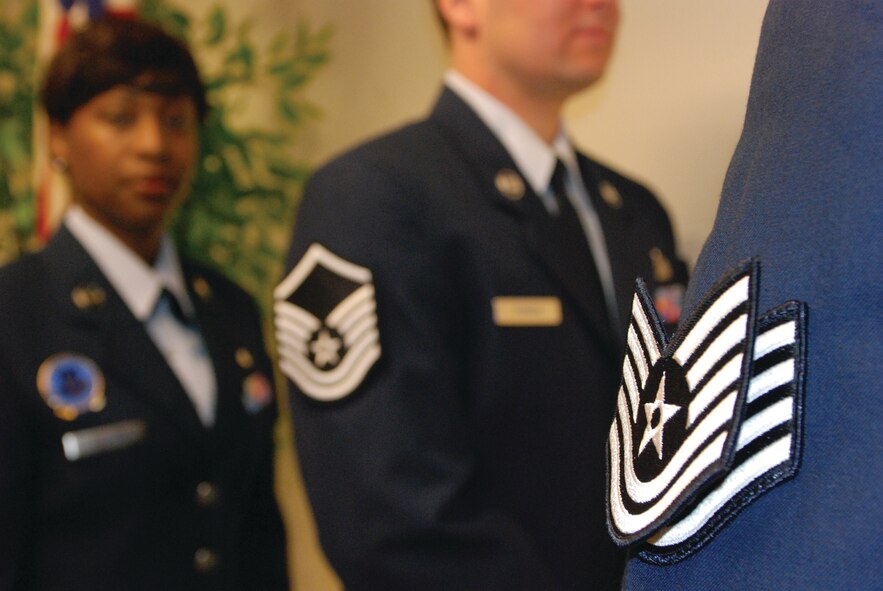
533	156
138	284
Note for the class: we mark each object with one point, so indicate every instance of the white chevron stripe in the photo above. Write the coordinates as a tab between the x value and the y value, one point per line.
629	523
731	299
638	355
775	338
760	463
712	389
632	389
356	316
776	376
336	383
357	332
732	336
643	492
768	418
353	305
316	254
286	342
297	319
651	346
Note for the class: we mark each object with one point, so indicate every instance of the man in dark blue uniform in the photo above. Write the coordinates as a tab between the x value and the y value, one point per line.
774	483
136	408
452	317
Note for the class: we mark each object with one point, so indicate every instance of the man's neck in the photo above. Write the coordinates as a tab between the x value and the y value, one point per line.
542	112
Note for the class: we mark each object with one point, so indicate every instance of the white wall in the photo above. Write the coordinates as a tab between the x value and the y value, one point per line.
670	109
388	57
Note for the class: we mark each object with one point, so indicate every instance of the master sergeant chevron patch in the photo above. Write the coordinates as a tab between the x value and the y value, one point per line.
326	325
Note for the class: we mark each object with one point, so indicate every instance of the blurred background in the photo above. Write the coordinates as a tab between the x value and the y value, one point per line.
293	82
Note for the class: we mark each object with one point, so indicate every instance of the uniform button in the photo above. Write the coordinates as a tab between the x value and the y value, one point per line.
205	560
206	494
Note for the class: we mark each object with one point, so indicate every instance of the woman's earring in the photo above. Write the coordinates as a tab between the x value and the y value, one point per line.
59	164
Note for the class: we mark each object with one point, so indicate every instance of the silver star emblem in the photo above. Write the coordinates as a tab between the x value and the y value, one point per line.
665	412
326	349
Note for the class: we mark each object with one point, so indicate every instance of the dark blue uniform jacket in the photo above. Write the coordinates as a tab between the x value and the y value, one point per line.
471	455
175	507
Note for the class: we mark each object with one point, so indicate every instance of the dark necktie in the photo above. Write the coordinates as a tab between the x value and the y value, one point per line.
574	241
175	308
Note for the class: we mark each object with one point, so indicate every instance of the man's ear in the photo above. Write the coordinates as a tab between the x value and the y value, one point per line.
460	16
58	143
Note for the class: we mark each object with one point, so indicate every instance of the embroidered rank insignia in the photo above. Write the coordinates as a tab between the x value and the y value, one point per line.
326	325
71	385
706	423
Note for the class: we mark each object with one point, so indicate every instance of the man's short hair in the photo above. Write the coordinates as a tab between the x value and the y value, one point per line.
111	51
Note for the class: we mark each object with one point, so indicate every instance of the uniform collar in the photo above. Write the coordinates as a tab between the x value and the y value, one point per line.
533	156
138	284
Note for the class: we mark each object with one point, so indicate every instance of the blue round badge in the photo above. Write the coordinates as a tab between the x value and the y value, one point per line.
71	385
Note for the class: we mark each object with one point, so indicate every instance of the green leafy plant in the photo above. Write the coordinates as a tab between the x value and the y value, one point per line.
18	34
248	182
245	193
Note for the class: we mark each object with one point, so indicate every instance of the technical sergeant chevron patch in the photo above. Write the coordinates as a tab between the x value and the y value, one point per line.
705	423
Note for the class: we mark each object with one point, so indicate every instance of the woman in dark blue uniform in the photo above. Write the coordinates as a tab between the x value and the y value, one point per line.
136	408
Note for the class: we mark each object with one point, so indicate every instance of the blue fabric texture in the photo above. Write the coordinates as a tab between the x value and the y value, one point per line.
803	194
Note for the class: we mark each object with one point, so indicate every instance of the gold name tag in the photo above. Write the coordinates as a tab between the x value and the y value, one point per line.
526	311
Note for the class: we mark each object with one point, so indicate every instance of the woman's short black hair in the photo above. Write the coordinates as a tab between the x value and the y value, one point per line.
111	51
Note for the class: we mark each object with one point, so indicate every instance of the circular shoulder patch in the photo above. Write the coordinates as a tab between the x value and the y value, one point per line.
71	385
326	325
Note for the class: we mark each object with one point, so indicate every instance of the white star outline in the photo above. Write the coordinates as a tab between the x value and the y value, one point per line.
666	412
325	349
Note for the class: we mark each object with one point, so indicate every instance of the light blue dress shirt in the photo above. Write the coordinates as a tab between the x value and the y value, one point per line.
536	161
140	287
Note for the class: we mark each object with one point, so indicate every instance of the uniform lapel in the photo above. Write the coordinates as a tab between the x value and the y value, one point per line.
617	219
228	413
487	158
118	341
